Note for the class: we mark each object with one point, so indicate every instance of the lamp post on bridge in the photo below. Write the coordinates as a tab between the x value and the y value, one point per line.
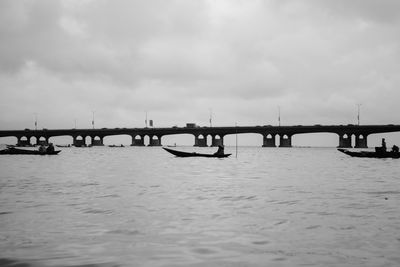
210	117
35	120
358	114
279	116
93	119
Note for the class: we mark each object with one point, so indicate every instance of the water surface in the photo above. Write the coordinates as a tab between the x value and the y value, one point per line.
140	206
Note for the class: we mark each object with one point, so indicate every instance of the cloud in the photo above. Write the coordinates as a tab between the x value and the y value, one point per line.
178	59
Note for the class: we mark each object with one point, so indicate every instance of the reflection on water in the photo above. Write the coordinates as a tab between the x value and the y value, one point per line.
137	206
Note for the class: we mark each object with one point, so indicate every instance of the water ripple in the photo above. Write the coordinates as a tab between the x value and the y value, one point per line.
142	207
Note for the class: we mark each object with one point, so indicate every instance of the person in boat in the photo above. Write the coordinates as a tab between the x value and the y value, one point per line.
220	150
42	148
50	148
383	145
395	149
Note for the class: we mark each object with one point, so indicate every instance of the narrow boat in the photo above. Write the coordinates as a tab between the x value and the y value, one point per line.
116	146
194	154
371	154
18	151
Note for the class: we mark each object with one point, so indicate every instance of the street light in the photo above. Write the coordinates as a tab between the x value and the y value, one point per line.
358	114
35	120
93	119
279	115
210	117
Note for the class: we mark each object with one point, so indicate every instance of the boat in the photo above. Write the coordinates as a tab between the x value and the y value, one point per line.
194	154
19	151
116	146
371	154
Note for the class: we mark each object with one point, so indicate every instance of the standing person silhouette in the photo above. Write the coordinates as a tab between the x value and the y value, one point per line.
383	145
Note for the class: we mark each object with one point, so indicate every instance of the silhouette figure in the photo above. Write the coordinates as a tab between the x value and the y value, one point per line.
42	148
50	148
383	145
395	149
220	150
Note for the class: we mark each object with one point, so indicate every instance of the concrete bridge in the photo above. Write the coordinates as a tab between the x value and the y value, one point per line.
269	133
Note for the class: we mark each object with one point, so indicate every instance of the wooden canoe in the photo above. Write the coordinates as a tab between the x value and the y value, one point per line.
194	154
19	151
371	154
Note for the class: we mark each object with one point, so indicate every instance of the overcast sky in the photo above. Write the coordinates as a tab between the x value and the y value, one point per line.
182	60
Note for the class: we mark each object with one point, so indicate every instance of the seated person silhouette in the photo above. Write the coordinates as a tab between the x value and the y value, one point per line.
42	148
395	149
220	151
50	148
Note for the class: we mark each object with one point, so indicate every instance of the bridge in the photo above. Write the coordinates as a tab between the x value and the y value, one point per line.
269	133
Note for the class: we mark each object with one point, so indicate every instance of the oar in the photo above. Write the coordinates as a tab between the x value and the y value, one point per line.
236	139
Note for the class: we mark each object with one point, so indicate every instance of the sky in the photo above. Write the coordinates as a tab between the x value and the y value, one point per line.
61	62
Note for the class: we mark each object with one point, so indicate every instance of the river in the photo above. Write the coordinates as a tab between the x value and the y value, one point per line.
140	206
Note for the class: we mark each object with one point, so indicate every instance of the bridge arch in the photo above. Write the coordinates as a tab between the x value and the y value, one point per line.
217	140
361	141
88	140
269	140
315	140
42	140
155	140
244	139
285	140
121	139
184	139
61	139
78	141
97	140
24	141
9	140
200	140
137	140
345	140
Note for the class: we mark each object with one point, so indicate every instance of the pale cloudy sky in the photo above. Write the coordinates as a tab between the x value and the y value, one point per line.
178	60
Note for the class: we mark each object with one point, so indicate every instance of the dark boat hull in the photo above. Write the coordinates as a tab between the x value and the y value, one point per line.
194	154
370	154
18	151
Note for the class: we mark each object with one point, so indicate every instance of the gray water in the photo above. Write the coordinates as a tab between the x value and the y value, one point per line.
137	206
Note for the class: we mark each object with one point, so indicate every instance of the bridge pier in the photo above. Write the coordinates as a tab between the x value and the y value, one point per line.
344	141
217	141
200	142
269	140
97	142
44	142
361	141
285	141
21	142
155	141
137	141
79	142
